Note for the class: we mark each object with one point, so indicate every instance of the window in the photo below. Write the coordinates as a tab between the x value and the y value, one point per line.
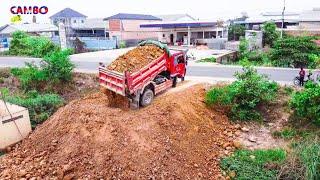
74	21
163	35
82	21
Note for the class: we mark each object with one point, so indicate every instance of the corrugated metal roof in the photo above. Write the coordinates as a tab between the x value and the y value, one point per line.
313	15
178	24
132	17
176	17
67	13
34	27
92	23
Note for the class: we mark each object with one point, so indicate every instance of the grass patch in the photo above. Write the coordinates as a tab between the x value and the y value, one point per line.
246	164
286	133
209	59
304	161
40	106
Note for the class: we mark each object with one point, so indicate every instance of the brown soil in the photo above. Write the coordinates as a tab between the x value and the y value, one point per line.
136	58
176	137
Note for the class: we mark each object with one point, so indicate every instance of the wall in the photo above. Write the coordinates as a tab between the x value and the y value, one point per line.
309	25
130	30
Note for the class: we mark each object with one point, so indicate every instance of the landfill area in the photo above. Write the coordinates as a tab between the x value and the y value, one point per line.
87	139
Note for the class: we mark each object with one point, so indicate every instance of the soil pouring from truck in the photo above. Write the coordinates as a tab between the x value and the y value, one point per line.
141	86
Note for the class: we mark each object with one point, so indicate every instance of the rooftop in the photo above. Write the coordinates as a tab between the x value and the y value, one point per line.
33	27
311	15
92	23
176	17
67	13
173	24
124	16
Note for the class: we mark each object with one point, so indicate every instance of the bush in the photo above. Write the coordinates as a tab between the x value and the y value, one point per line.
236	31
209	59
294	52
305	103
40	106
270	34
55	68
245	95
122	44
243	48
248	164
24	45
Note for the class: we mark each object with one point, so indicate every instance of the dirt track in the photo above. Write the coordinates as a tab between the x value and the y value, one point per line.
175	137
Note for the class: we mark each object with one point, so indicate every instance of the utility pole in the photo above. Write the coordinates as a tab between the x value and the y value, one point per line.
282	26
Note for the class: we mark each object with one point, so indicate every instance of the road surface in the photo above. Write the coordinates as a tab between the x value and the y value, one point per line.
195	70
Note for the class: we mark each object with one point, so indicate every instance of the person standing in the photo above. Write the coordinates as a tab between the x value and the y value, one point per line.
302	74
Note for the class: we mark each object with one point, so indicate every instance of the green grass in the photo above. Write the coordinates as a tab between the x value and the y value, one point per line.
210	59
254	164
288	90
304	160
286	133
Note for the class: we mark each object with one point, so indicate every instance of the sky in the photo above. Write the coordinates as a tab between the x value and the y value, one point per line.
200	9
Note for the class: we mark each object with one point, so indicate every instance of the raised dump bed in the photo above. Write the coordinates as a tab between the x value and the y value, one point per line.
14	125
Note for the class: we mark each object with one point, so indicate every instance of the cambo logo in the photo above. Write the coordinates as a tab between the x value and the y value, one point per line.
29	10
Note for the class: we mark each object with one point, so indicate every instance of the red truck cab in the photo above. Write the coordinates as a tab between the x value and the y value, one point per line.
141	86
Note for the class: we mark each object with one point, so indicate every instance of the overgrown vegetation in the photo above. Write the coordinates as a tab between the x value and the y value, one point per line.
209	59
286	133
305	103
40	106
236	31
242	98
246	164
24	45
270	34
304	161
295	52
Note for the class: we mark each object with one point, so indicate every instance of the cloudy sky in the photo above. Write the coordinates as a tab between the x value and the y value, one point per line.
202	9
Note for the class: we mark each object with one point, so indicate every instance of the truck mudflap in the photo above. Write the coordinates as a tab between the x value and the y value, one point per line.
112	80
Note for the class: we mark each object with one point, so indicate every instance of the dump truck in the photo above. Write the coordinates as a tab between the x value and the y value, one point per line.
140	87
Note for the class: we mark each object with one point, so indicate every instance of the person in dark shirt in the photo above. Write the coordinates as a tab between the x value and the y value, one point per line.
302	74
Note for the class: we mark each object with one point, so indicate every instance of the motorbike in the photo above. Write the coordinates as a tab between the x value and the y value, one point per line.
296	80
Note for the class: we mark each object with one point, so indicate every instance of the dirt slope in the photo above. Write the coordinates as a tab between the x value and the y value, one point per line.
175	137
136	58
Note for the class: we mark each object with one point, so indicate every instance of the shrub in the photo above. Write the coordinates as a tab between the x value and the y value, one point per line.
305	103
209	59
122	44
243	48
270	34
236	31
24	45
55	68
245	95
248	164
40	106
294	52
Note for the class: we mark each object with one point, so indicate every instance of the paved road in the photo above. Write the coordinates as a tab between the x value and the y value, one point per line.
198	70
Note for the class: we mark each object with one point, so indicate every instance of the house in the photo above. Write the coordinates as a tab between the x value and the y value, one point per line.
310	20
291	19
78	25
126	27
47	30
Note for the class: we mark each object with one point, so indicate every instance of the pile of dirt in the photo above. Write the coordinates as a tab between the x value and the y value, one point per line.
176	137
136	58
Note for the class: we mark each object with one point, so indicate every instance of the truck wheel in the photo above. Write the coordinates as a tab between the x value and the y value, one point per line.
146	98
174	83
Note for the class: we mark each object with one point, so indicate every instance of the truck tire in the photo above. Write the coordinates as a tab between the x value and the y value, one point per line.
146	98
174	83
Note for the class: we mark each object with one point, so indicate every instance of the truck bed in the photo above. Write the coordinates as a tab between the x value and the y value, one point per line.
124	83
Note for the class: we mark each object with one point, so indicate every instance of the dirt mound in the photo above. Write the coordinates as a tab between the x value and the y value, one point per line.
136	58
175	137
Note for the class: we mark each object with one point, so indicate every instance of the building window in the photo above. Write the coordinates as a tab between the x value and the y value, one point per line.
163	35
82	21
74	21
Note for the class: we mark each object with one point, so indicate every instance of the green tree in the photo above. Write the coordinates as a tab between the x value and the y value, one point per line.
270	34
236	31
294	52
243	49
